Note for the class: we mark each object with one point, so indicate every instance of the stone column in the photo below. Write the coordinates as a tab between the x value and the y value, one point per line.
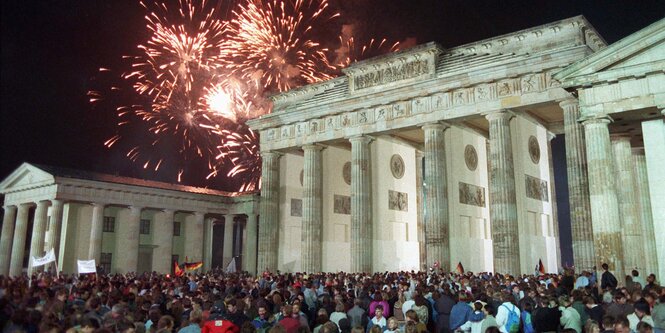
606	222
578	187
249	260
96	229
38	233
162	237
8	222
269	211
437	220
420	219
18	244
127	241
194	237
646	218
228	238
503	200
207	244
361	205
312	215
653	132
53	235
633	248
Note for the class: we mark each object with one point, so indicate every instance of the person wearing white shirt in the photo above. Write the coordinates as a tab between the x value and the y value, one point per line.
504	310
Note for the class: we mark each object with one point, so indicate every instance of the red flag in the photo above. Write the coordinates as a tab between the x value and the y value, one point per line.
177	270
541	267
460	268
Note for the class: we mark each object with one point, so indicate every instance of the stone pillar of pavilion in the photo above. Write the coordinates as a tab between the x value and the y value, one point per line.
437	223
578	187
8	223
38	233
420	219
269	211
361	205
96	230
207	244
162	237
18	243
608	245
53	235
194	237
127	242
312	214
249	251
646	218
228	239
503	200
631	230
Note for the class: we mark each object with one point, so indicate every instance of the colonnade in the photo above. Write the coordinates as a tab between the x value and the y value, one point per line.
198	234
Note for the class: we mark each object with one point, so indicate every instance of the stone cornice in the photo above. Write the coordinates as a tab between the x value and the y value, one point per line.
581	73
564	33
501	73
303	93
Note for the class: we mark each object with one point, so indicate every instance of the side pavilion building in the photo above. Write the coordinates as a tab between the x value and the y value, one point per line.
432	155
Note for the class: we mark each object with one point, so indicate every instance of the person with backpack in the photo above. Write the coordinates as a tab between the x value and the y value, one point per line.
508	315
526	326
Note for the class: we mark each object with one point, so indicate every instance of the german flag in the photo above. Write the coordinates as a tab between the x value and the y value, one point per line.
460	268
192	266
177	270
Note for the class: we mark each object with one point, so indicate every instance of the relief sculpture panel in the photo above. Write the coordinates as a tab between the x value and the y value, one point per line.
536	188
342	204
471	194
398	201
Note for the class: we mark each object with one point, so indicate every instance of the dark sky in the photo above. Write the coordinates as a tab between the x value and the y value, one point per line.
52	50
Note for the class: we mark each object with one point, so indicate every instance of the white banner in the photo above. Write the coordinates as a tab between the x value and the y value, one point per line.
231	268
49	257
86	266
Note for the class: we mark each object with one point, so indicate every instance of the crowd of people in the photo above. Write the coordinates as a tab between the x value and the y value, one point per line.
431	301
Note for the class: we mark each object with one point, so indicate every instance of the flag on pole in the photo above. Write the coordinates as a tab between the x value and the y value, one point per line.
460	268
231	268
86	266
49	257
177	270
541	267
192	266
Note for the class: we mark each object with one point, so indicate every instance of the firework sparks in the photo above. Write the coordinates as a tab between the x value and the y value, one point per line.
272	44
197	79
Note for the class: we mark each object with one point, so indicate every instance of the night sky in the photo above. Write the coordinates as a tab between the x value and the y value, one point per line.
52	50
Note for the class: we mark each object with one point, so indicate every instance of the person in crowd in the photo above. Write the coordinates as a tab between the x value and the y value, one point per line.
621	325
475	322
620	306
289	323
460	312
546	316
641	314
607	281
378	320
506	311
570	318
412	318
356	314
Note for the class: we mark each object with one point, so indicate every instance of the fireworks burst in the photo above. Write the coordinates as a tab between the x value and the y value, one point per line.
272	43
197	78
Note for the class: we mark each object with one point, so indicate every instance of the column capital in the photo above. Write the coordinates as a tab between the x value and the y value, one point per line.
135	208
98	204
618	137
57	202
25	205
498	115
44	202
313	146
271	154
9	207
569	102
638	151
436	126
361	139
200	214
595	119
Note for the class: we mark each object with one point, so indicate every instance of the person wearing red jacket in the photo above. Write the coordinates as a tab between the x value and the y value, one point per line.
217	323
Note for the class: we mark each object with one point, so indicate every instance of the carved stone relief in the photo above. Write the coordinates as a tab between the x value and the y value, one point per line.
534	149
536	188
342	204
471	157
346	173
397	166
296	207
471	194
398	201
